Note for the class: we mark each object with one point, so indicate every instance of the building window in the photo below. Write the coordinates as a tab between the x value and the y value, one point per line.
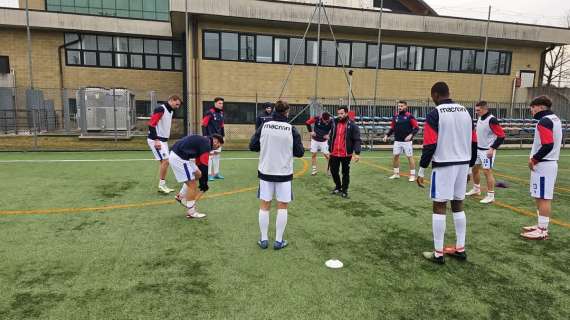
264	49
122	52
140	9
234	46
247	48
387	57
479	61
372	61
343	56
442	59
455	61
312	52
281	50
212	45
328	53
401	57
297	49
230	45
468	61
358	55
428	59
493	62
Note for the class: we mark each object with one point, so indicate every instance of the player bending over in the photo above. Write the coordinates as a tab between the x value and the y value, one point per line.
189	162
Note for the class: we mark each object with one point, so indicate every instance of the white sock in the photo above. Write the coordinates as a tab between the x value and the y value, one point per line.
190	204
543	222
162	182
280	224
477	186
217	164
183	191
314	167
460	222
263	223
396	170
438	227
412	172
491	194
211	165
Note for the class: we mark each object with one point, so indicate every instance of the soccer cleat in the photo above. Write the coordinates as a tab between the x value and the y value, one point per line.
344	195
530	228
219	176
474	192
394	176
180	200
459	255
193	214
412	178
280	245
537	234
164	189
263	244
487	200
211	178
431	257
314	172
335	192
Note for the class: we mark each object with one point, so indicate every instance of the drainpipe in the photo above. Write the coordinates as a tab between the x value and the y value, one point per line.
542	62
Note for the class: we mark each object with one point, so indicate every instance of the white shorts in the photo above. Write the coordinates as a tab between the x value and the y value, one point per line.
184	170
282	190
405	147
317	146
449	183
543	179
484	161
161	154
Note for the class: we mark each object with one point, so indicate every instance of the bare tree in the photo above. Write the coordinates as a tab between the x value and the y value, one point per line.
557	63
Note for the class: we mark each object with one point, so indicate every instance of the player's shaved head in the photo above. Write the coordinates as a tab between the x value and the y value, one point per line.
439	91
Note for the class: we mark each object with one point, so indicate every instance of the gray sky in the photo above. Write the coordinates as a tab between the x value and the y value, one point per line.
543	12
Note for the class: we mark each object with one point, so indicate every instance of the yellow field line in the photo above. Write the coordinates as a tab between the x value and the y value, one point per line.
137	205
496	203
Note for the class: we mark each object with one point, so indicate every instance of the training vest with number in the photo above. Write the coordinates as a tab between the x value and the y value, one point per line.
455	128
485	136
551	123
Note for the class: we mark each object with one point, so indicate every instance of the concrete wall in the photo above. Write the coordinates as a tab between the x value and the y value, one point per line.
239	81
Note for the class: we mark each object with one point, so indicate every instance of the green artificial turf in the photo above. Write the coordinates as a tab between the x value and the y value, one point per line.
149	262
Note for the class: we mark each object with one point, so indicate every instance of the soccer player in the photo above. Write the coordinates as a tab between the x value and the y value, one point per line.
344	145
196	148
158	134
405	127
319	136
490	136
266	116
451	154
213	123
543	164
278	142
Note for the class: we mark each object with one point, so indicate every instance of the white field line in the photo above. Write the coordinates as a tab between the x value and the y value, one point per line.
224	159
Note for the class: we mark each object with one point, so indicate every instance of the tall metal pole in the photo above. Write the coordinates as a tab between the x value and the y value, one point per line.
485	56
187	74
350	72
318	51
378	51
30	72
561	65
